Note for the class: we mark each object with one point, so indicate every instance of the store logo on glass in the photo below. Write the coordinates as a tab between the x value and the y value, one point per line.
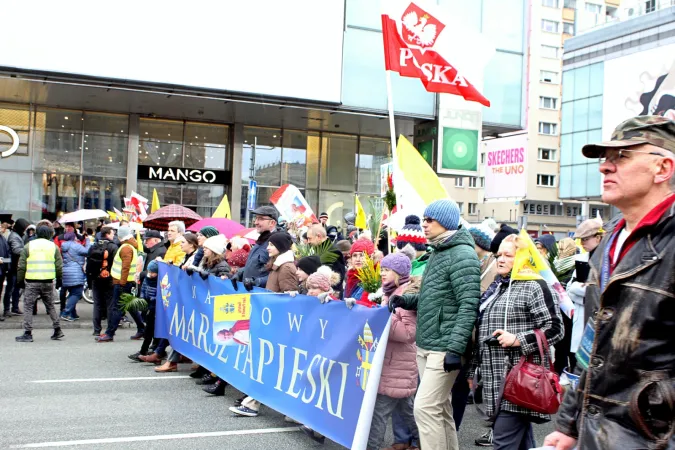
420	28
14	145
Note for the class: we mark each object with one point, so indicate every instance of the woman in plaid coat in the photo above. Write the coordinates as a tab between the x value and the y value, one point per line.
511	311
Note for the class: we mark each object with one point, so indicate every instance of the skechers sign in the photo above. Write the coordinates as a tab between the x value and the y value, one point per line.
183	175
14	141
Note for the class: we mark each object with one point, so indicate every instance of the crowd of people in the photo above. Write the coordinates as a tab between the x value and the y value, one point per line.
459	321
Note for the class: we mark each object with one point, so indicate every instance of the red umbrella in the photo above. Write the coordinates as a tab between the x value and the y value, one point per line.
159	220
225	226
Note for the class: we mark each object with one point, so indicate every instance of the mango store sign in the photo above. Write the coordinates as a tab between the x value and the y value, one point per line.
183	175
506	167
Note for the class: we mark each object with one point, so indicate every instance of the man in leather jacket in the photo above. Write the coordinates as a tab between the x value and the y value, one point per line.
626	394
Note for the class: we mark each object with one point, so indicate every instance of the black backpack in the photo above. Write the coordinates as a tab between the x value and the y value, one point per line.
98	261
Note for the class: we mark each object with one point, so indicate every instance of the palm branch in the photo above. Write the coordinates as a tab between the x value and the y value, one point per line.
375	218
131	303
324	251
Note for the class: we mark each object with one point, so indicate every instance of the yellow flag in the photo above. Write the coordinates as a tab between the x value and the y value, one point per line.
223	210
112	215
155	201
230	308
528	262
139	242
417	173
361	219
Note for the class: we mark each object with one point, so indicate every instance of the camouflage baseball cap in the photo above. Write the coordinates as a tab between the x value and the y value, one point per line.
655	130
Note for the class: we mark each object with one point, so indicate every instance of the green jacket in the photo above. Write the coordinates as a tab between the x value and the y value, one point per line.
23	261
447	304
419	264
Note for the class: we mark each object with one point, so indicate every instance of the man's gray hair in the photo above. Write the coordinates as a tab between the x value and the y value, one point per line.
317	230
179	224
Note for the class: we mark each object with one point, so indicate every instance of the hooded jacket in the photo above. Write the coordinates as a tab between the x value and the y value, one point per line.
399	369
283	277
626	397
74	257
447	304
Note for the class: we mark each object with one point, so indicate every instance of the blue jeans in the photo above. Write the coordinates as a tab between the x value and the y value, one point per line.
138	319
74	296
512	431
402	432
11	298
114	313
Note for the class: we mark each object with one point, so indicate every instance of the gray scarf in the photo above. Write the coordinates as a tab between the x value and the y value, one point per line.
442	237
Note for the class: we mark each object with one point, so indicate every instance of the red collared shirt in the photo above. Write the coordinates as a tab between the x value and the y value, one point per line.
648	221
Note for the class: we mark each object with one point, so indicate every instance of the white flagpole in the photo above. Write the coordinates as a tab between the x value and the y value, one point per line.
392	132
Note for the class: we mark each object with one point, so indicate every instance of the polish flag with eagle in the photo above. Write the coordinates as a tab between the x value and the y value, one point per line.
422	42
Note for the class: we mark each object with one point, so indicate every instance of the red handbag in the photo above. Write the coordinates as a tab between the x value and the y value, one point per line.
533	386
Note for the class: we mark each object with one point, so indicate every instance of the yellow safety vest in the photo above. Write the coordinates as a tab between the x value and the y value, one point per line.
116	271
41	262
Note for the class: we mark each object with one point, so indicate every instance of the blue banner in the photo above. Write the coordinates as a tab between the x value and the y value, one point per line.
317	363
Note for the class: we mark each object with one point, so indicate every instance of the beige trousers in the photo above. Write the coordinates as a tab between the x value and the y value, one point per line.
433	410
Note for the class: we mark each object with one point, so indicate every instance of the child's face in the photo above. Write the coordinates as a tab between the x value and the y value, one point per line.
314	292
388	275
152	275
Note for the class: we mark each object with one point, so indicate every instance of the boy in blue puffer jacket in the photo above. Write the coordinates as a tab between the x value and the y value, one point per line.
149	293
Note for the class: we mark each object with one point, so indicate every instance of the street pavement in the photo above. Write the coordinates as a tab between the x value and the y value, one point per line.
76	393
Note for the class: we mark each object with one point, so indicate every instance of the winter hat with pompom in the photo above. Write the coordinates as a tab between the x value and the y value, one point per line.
322	279
482	236
412	234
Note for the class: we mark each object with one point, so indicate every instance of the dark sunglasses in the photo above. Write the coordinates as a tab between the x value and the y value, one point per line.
428	220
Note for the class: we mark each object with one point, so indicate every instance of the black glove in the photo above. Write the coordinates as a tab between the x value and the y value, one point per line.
189	272
395	301
21	284
234	284
249	283
452	362
59	283
204	275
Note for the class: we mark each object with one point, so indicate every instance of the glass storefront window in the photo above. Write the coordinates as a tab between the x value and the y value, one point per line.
205	146
336	205
297	146
161	143
338	158
105	144
263	198
267	155
57	145
372	154
103	193
54	194
168	193
15	193
16	117
503	24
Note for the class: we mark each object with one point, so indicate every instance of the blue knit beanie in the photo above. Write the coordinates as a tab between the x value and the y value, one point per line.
445	212
153	267
482	236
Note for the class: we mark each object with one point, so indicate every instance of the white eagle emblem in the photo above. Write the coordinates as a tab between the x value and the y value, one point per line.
421	32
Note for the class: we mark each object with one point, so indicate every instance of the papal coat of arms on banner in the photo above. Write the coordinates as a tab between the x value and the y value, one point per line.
165	287
365	355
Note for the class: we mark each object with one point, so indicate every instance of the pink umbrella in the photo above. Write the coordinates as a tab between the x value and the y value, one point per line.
225	226
159	220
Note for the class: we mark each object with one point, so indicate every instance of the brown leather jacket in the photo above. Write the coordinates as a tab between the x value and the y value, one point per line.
626	398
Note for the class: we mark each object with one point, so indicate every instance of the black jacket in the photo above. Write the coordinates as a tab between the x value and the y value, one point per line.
626	398
152	253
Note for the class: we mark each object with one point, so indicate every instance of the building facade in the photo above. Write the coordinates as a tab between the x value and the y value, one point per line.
303	102
613	72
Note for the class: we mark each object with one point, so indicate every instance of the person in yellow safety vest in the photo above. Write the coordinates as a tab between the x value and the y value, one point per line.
123	273
175	255
39	265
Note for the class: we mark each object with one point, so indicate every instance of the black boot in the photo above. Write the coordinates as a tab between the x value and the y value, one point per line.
27	336
217	388
207	379
200	372
58	334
